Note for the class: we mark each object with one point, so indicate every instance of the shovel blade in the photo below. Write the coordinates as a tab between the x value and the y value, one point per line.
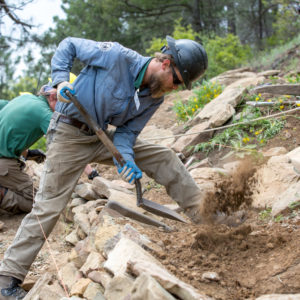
160	210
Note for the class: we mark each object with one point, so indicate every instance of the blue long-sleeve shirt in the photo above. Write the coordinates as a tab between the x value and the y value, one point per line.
105	87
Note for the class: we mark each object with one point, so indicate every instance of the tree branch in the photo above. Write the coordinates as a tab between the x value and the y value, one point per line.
12	16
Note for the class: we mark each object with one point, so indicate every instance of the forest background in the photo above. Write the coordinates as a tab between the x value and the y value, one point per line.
234	33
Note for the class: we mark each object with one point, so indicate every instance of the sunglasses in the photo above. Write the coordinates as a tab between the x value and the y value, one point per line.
176	80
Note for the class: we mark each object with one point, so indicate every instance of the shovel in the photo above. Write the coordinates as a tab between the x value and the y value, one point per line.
147	205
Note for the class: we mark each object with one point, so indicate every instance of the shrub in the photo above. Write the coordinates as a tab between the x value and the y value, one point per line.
203	94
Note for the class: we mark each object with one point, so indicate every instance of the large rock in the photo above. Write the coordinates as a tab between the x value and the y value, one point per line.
104	188
147	288
155	135
45	288
168	281
272	181
94	262
85	191
119	288
193	136
231	76
92	290
69	275
278	89
80	286
106	230
124	251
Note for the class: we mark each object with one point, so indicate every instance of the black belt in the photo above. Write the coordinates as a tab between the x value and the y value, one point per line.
82	126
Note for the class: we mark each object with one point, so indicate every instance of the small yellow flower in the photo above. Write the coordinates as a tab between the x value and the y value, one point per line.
298	104
258	132
245	140
280	100
262	141
287	96
269	100
281	106
197	106
215	91
257	98
193	109
259	95
195	99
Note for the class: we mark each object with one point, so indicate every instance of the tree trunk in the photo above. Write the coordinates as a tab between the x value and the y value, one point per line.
231	18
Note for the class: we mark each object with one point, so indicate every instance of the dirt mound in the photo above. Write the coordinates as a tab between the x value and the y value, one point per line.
232	193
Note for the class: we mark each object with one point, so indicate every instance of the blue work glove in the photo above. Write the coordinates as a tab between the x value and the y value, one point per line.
130	172
61	88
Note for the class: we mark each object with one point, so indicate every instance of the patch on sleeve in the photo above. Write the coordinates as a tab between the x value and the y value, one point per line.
105	46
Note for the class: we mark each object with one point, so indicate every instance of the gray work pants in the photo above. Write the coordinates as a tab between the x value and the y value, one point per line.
69	150
19	196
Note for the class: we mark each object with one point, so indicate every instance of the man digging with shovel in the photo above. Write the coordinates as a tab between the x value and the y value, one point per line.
119	87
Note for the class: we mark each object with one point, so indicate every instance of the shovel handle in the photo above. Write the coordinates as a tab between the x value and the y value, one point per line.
106	141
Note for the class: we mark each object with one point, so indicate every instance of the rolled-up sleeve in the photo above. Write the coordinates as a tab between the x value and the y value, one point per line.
87	51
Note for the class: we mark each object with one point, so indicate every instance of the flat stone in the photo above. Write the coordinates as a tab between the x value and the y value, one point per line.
76	202
100	277
92	290
147	288
72	238
124	251
192	137
104	187
272	180
69	275
82	220
210	276
80	286
119	288
45	288
106	230
290	195
269	73
168	281
151	132
275	151
94	262
86	191
278	89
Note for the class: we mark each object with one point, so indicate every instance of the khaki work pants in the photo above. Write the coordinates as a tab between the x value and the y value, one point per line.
69	150
19	196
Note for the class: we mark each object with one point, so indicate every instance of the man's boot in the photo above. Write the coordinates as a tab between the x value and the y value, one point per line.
10	289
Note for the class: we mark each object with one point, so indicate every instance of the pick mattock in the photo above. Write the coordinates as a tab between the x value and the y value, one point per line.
147	205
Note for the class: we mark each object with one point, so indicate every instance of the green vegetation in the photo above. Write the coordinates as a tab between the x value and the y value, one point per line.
204	93
244	137
265	214
40	144
269	56
225	53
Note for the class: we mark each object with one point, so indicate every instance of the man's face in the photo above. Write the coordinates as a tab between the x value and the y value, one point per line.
165	81
52	99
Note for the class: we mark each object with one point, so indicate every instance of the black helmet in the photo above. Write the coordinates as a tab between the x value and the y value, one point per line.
189	56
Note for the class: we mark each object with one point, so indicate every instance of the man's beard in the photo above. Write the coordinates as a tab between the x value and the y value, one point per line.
156	86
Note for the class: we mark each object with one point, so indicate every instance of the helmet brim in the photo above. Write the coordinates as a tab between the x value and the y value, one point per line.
174	51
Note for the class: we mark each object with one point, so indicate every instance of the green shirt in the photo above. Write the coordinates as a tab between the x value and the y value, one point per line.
3	103
23	121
